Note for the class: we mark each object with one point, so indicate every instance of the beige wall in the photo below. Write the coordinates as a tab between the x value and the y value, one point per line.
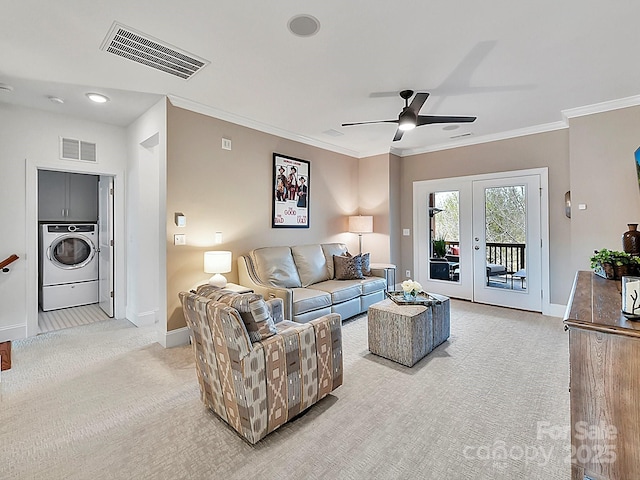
549	149
603	177
373	199
395	208
230	192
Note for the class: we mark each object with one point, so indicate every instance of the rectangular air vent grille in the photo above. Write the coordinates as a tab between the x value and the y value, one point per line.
142	48
466	134
72	149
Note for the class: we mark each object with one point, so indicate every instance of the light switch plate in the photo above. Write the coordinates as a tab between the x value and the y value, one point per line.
180	239
406	232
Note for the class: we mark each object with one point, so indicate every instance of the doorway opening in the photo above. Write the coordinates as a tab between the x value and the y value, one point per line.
75	249
484	238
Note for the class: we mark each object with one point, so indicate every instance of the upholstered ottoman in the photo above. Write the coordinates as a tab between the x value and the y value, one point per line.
407	333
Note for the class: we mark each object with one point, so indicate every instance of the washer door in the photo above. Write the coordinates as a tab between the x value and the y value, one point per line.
71	251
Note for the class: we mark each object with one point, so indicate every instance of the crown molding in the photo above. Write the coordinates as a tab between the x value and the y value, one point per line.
467	141
405	152
187	104
601	107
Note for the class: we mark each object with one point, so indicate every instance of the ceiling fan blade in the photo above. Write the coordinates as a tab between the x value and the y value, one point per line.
429	119
398	135
365	123
418	101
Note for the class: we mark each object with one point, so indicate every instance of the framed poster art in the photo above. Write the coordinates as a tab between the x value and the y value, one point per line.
290	192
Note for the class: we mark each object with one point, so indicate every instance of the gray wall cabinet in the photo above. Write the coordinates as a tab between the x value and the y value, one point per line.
67	197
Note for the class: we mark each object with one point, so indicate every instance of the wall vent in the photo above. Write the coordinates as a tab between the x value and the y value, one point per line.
147	50
466	134
72	149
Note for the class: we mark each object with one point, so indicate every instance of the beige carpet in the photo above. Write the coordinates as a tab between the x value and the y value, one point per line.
102	401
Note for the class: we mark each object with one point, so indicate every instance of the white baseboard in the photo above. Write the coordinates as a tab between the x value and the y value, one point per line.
555	310
13	332
143	319
174	338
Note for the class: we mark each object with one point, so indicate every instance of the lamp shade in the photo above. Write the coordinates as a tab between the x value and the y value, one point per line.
217	262
361	224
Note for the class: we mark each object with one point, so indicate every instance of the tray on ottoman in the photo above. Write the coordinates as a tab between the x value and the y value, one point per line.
423	298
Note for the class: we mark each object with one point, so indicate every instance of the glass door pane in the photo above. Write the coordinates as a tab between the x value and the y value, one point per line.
444	236
506	236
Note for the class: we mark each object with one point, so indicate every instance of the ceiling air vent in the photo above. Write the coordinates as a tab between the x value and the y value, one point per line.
147	50
72	149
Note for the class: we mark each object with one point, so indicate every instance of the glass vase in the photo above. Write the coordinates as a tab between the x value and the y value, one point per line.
409	296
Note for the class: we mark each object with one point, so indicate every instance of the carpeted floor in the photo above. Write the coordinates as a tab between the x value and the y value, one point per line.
102	401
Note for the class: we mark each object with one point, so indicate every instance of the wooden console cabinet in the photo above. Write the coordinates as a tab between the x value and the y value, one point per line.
604	355
5	356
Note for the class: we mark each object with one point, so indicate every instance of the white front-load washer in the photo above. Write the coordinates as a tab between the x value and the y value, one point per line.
68	265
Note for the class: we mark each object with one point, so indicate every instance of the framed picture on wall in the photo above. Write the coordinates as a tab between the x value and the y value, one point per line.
290	192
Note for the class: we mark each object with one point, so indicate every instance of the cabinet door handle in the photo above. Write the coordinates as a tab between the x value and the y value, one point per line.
62	212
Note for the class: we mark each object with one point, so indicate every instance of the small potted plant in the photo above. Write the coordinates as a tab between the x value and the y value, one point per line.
612	264
439	247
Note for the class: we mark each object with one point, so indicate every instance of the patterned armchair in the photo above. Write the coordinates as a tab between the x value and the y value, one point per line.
257	371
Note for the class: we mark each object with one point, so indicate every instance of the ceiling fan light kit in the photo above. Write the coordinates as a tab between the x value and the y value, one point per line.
410	118
407	120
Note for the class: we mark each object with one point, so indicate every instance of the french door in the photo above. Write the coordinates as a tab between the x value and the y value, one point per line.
494	232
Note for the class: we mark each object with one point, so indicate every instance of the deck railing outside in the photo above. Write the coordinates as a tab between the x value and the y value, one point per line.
511	255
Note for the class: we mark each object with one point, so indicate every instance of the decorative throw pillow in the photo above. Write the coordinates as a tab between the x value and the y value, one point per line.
366	265
348	267
251	307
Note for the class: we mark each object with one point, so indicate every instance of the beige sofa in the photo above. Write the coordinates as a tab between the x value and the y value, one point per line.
304	278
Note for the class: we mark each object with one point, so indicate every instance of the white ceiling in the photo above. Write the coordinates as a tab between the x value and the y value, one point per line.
514	65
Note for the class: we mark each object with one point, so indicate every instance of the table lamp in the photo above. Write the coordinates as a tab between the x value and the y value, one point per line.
360	224
217	262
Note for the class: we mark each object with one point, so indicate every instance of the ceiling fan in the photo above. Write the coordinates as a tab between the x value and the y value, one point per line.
409	117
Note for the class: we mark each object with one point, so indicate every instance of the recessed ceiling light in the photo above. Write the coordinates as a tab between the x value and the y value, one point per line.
304	25
97	97
451	127
55	99
5	87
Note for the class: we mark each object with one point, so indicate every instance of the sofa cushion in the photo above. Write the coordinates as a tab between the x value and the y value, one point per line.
347	268
308	299
331	249
254	311
373	284
311	263
275	266
340	290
